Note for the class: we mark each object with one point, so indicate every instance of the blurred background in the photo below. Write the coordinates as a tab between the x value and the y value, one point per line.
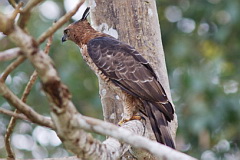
201	39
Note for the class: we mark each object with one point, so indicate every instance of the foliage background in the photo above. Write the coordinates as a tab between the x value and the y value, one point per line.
201	42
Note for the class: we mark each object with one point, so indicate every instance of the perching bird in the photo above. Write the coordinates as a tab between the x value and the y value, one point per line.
127	73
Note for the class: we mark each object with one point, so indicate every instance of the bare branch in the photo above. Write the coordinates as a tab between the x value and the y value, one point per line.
14	114
12	122
3	23
26	92
120	133
16	11
10	54
48	45
77	121
11	67
29	86
59	23
13	3
6	25
25	13
8	133
24	108
6	21
30	5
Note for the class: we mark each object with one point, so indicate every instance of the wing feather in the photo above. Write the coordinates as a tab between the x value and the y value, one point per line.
129	70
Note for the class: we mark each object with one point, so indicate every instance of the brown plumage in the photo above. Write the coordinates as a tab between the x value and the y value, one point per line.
127	72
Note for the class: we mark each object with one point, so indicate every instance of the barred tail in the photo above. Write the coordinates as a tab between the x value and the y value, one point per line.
159	125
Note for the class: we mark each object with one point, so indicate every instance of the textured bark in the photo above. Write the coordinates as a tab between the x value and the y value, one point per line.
136	23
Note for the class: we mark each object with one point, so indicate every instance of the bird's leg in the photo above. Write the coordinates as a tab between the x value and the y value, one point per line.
130	107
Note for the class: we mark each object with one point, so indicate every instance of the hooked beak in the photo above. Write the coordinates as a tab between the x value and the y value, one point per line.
64	38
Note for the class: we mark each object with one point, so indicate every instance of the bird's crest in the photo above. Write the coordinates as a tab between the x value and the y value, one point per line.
85	14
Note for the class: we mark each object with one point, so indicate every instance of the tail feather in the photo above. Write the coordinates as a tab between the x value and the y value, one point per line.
159	125
166	109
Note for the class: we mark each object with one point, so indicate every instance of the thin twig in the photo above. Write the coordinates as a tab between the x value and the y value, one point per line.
48	45
29	86
8	133
11	67
13	3
30	5
16	11
13	120
59	23
10	54
24	108
14	114
26	12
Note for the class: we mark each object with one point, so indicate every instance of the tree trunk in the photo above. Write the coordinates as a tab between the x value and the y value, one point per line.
136	23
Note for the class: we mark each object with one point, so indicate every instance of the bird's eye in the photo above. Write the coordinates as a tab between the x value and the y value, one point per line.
67	32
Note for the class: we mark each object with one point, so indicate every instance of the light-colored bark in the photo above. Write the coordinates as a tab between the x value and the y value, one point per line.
9	54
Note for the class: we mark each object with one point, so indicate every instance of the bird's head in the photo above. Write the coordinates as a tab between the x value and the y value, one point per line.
78	30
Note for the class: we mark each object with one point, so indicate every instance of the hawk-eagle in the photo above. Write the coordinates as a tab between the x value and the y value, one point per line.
127	73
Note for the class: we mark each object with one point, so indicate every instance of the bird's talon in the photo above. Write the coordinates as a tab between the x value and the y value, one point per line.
136	118
126	120
122	122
